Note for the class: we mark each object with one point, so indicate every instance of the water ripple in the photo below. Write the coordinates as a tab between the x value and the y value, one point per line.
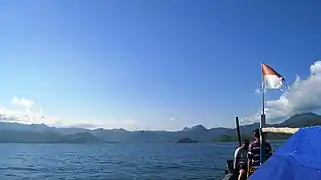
114	161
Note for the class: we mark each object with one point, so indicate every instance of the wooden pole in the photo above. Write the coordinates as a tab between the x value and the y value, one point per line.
262	140
238	131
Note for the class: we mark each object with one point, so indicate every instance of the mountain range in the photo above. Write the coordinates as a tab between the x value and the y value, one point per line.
41	133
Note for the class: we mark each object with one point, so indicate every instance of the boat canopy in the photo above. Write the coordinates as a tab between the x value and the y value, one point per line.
298	158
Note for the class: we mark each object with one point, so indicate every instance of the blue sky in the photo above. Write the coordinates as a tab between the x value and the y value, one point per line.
152	64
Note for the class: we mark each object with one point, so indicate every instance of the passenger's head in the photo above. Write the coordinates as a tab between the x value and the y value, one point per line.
256	133
245	143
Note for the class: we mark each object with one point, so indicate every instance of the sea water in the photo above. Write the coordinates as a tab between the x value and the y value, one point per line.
111	161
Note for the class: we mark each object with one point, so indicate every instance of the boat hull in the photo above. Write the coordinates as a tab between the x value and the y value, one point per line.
229	172
229	176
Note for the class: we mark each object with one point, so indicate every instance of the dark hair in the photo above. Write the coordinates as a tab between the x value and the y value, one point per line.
246	143
257	133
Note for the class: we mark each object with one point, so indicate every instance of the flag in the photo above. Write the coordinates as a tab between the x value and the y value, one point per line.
271	78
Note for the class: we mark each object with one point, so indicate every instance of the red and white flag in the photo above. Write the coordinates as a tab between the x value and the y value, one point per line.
271	79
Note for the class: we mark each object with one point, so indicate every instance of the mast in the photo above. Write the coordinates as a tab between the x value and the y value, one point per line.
262	122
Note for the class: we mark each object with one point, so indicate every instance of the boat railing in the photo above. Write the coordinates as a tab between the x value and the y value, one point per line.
280	130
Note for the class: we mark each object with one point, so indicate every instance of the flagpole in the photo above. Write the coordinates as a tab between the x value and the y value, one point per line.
262	122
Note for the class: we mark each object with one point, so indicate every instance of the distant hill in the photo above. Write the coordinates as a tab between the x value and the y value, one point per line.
302	120
85	137
296	121
11	136
41	133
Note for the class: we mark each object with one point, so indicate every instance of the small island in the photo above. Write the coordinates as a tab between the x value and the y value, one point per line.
186	140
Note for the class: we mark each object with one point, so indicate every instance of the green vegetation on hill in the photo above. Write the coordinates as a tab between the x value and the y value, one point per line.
85	137
225	138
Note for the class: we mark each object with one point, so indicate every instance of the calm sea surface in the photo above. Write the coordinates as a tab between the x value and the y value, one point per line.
115	161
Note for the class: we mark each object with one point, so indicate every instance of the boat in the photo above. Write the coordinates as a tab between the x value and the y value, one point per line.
298	158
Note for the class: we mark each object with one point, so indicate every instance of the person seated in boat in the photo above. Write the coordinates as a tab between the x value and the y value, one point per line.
241	160
254	151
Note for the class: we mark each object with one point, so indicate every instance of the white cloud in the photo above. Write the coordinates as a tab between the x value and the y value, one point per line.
172	119
27	111
304	96
127	123
84	125
22	102
9	115
257	90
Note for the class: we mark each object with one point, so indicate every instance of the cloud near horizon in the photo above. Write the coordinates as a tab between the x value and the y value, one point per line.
304	96
22	102
27	111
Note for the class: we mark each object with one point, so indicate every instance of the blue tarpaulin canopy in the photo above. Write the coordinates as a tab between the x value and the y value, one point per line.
298	159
